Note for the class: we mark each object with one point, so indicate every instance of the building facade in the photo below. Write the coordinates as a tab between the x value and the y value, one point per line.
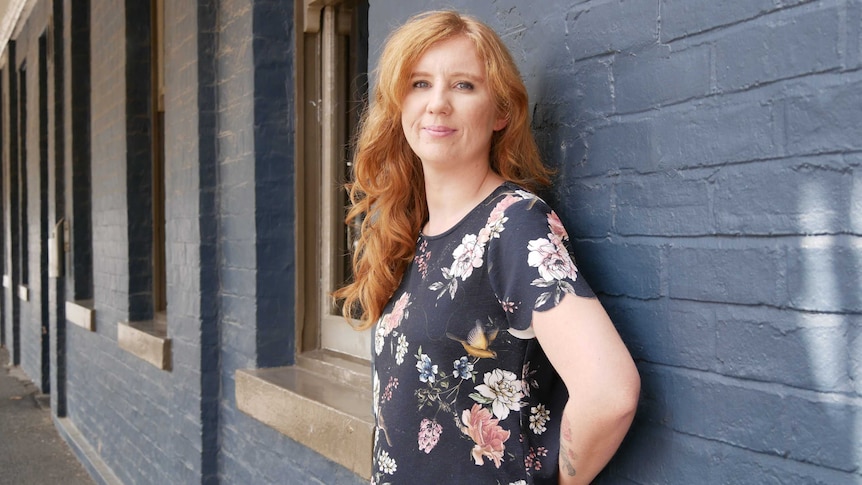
172	226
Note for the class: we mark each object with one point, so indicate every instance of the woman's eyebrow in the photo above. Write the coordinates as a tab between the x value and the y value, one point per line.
458	74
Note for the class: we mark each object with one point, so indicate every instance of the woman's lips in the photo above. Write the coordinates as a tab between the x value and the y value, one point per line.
439	131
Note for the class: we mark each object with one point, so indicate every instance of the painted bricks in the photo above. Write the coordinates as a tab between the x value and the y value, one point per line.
256	232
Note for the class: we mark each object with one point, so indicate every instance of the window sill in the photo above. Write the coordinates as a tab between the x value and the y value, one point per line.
23	293
82	314
146	339
322	402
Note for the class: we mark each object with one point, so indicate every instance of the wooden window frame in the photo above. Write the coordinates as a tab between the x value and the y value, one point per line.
327	111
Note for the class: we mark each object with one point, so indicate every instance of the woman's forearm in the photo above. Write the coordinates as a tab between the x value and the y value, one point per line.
589	436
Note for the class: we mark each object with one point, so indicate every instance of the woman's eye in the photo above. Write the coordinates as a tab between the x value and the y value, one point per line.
421	84
464	85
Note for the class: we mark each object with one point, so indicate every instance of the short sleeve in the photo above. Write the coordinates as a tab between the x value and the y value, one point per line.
530	265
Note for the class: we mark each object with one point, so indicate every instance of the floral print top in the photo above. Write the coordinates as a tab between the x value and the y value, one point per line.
463	391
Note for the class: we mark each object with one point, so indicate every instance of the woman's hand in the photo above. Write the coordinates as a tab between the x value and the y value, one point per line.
603	383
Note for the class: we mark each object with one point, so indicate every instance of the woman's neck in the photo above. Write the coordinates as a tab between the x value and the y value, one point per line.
450	197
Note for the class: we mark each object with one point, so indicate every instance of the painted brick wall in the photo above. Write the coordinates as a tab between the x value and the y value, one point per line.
708	158
144	422
30	325
256	229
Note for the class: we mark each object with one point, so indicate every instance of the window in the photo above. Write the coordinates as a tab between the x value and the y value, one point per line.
145	334
157	33
331	89
324	400
80	310
77	64
23	247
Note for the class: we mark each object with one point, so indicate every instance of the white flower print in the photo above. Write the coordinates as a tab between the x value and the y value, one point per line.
379	334
401	349
551	259
468	255
427	370
375	389
386	463
503	390
526	195
538	418
519	482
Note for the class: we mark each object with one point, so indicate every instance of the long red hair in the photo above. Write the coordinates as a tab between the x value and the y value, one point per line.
388	189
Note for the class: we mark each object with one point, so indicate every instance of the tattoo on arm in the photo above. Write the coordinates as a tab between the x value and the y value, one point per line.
570	469
567	456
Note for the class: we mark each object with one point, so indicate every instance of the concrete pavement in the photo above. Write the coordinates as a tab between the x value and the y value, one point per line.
31	450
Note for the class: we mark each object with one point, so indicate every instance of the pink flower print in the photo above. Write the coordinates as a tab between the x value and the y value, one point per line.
552	260
501	207
429	434
532	460
508	306
393	320
496	219
486	433
387	392
468	255
556	226
422	258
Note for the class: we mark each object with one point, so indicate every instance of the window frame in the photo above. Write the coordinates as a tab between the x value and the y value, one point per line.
331	74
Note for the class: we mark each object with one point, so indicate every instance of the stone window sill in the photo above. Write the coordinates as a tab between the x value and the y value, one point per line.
23	293
82	314
148	340
323	402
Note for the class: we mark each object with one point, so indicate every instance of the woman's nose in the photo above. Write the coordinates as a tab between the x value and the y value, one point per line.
439	101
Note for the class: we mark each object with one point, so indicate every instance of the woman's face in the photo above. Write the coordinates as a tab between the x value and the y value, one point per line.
448	114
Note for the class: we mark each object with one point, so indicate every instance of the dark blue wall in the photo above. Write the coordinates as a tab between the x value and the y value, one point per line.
708	158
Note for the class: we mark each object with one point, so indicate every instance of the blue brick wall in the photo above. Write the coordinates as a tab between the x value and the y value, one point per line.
708	158
30	312
256	230
144	422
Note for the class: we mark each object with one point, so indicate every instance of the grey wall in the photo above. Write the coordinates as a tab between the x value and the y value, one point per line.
708	158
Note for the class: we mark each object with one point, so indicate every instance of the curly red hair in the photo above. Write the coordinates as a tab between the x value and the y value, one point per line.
388	191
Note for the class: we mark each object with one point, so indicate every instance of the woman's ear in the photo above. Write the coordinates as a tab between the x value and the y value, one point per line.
501	123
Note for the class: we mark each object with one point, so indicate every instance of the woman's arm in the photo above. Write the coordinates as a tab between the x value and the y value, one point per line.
582	344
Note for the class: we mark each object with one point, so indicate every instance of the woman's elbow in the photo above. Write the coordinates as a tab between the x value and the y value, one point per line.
621	398
628	394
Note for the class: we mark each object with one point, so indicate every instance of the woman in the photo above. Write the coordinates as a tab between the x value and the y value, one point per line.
479	313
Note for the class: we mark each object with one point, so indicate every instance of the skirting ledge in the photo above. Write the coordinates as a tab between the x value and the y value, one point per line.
85	453
147	340
81	313
323	402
